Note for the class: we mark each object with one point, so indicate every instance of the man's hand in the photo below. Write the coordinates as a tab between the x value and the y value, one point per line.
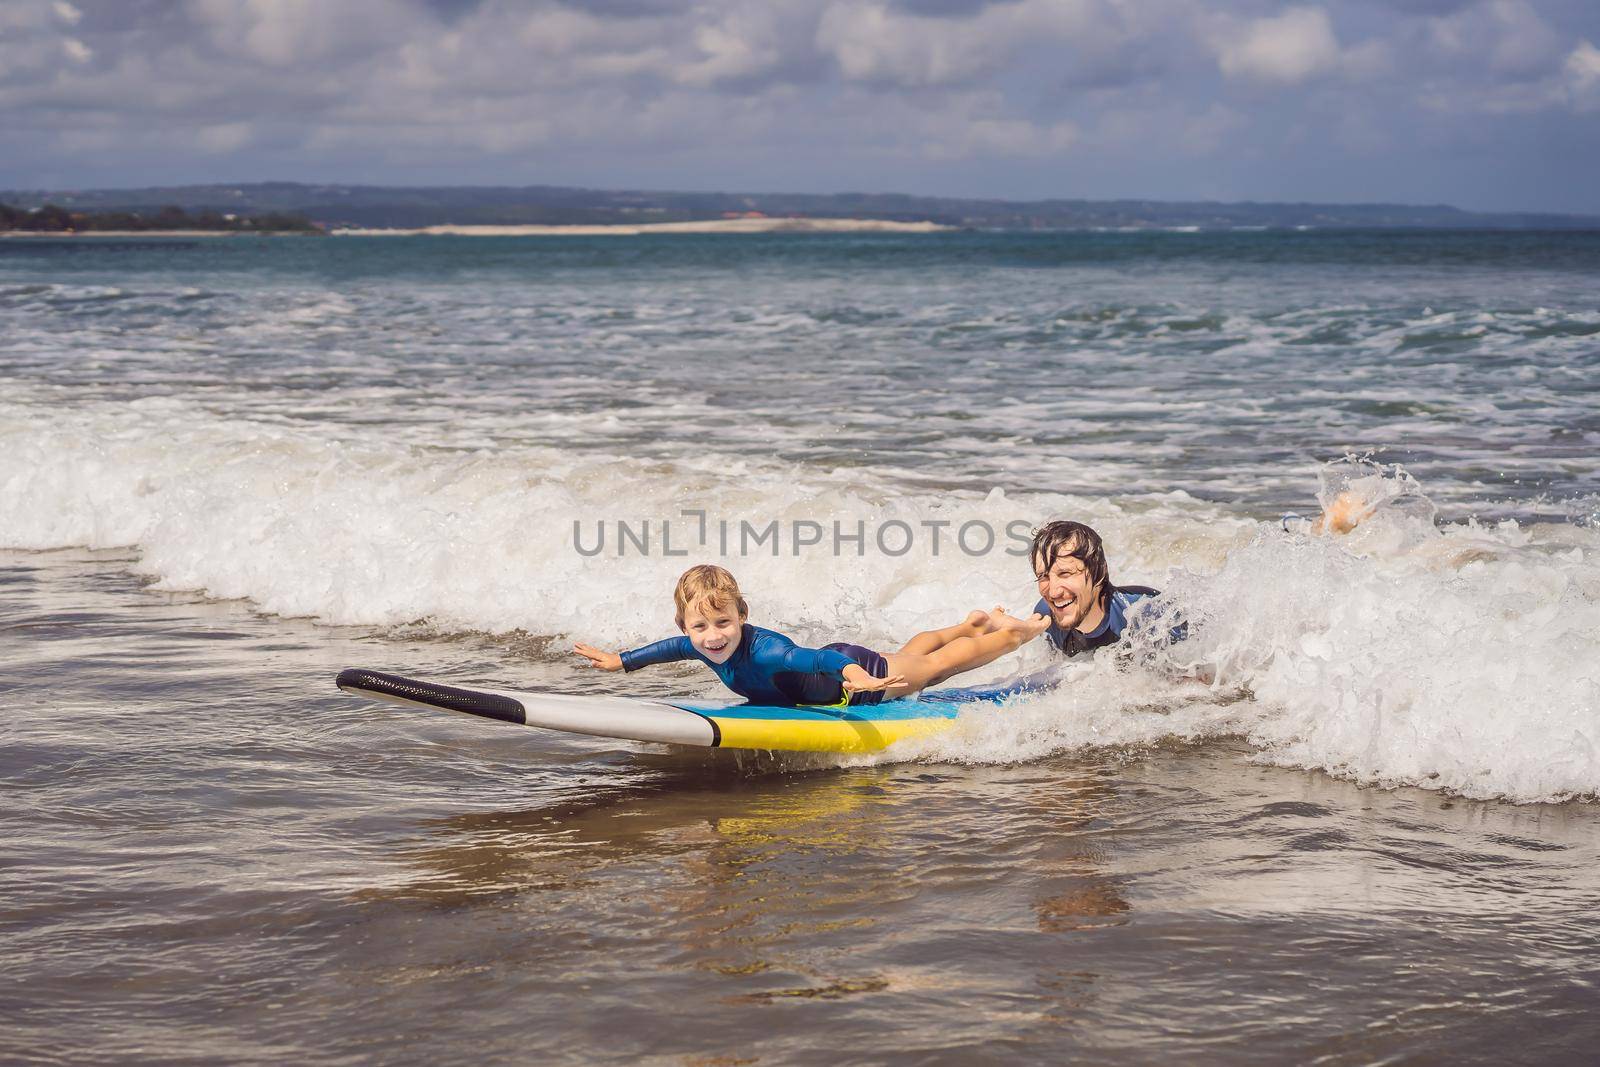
1343	515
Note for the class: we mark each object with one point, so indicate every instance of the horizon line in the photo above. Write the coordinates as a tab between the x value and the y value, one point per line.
1436	205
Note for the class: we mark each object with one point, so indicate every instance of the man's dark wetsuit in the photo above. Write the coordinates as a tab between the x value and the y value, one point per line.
1109	632
768	668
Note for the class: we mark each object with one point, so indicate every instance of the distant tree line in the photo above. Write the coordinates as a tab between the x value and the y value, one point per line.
53	219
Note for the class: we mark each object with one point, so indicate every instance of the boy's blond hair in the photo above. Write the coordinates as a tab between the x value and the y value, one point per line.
707	586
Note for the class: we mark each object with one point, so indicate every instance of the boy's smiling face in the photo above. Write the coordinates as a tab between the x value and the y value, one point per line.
714	630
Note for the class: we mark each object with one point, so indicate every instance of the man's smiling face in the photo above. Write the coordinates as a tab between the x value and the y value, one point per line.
1067	588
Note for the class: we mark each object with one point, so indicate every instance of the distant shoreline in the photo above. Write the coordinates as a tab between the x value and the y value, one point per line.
726	226
380	210
592	230
633	229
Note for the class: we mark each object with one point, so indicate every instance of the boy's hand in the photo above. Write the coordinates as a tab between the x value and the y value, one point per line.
606	661
859	681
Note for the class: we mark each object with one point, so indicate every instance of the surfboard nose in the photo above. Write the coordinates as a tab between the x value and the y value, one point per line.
431	695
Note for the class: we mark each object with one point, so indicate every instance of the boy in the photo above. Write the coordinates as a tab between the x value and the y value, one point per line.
766	667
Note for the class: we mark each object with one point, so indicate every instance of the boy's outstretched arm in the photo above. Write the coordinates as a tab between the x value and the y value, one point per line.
670	650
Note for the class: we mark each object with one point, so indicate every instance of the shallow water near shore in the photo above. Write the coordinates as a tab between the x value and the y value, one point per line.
211	855
230	469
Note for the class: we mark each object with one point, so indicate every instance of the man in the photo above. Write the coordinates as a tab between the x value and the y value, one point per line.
1086	611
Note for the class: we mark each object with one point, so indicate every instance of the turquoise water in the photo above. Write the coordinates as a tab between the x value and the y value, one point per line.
229	469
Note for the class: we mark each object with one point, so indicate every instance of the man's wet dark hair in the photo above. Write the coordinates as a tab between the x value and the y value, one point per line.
1063	538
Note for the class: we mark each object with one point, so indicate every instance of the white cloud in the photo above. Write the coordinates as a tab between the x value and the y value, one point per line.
1285	49
76	50
1503	58
1524	44
1583	66
286	34
874	43
1508	38
66	12
1582	73
742	43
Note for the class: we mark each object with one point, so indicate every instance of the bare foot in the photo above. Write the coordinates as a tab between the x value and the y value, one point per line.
996	619
979	621
1031	627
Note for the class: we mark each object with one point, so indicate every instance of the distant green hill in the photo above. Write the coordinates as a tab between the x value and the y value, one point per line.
50	217
408	207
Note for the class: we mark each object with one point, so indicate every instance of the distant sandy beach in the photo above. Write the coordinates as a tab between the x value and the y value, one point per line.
700	226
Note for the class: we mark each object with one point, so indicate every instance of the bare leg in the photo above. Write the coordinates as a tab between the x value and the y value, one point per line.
921	670
976	623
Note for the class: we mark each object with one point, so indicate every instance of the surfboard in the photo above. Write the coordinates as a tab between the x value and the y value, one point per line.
706	724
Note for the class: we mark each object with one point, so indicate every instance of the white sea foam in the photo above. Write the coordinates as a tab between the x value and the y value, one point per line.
346	526
1459	657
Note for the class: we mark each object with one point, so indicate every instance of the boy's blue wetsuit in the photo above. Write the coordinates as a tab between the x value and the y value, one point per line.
768	668
1109	632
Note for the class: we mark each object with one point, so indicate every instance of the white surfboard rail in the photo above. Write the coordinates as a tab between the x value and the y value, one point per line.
598	716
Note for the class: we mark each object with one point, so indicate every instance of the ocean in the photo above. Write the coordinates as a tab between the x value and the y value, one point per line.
1351	819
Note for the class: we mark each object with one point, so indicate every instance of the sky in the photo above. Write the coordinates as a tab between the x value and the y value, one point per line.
1484	104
